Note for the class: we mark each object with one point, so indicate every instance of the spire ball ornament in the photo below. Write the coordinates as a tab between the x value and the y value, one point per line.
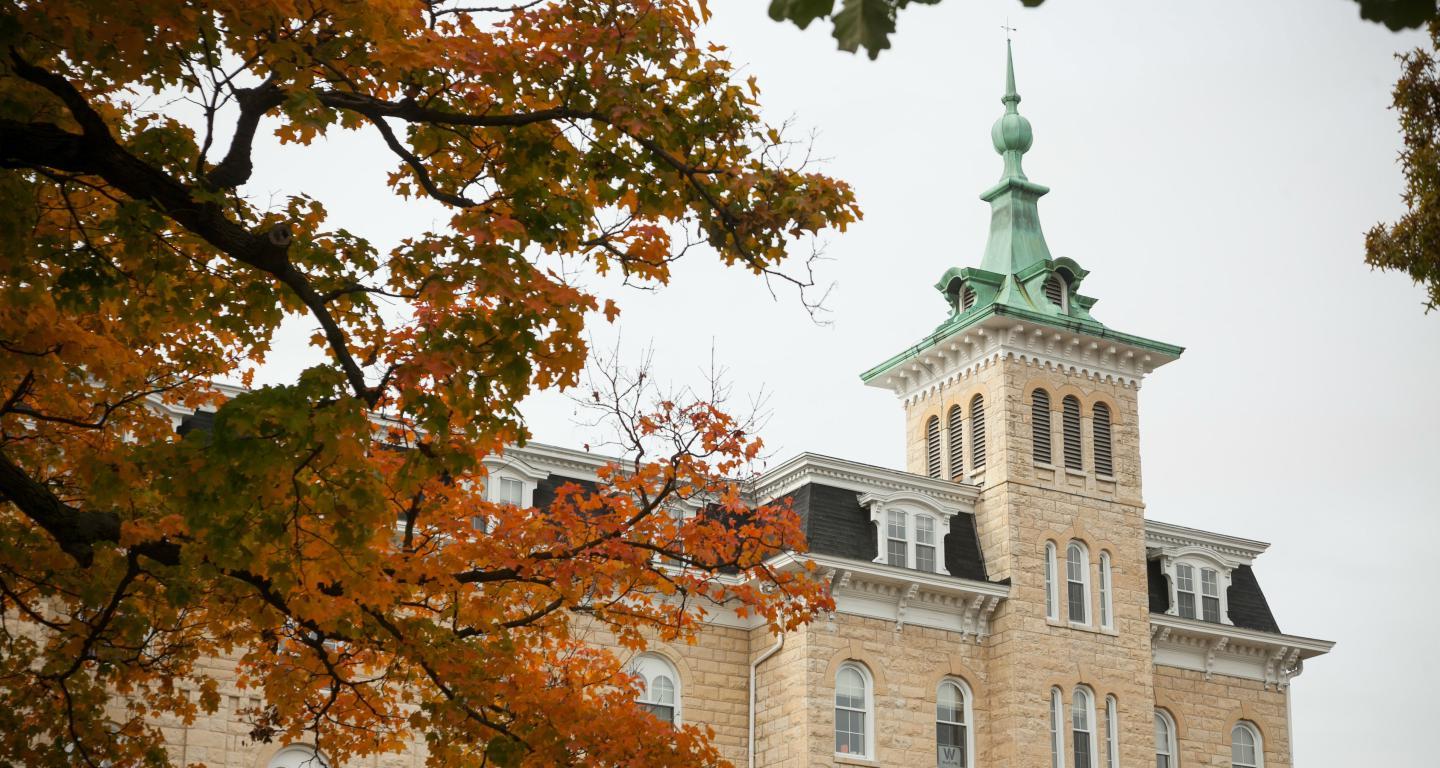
1011	134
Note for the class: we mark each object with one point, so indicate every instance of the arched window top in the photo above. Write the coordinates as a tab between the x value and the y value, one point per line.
1246	750
854	727
298	756
1165	752
659	686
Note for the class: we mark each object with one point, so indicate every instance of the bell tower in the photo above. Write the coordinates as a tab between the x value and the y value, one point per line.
1022	392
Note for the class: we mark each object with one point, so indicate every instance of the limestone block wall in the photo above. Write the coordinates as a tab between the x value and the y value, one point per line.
782	728
907	668
1205	711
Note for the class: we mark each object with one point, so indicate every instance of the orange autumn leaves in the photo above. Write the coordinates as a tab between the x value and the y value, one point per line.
330	535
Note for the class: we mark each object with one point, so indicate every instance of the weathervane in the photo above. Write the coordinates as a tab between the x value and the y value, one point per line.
1008	29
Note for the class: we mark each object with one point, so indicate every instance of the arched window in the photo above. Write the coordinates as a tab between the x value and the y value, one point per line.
1107	617
932	446
952	725
298	756
1165	752
1077	579
977	433
1246	750
1052	597
1104	462
1058	291
1082	728
852	711
1070	420
956	423
1057	732
1112	733
1040	426
660	687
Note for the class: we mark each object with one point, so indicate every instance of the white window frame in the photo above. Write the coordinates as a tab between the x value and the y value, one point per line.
649	667
868	715
1106	588
1089	733
1172	751
1084	582
500	469
967	714
913	506
1057	730
1248	727
1052	578
1112	732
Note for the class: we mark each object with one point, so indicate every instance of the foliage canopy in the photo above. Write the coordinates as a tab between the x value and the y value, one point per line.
136	267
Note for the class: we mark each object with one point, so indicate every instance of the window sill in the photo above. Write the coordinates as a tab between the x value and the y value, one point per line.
1074	472
856	760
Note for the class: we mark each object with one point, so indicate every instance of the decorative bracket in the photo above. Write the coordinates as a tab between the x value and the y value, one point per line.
900	607
1215	647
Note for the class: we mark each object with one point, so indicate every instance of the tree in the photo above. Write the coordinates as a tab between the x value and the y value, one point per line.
868	24
1412	244
136	267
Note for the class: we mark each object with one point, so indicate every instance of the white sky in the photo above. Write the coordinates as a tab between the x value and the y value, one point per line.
1215	164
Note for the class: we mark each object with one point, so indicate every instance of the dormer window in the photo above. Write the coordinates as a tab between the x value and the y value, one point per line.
1198	593
909	529
967	298
1057	291
505	490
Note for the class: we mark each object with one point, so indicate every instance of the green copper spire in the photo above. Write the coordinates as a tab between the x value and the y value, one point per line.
1016	242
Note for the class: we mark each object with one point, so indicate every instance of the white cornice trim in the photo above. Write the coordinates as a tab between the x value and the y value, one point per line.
996	338
1221	649
1174	538
861	478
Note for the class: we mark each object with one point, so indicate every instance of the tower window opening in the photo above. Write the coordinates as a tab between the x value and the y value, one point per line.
1070	418
967	298
1040	426
1057	291
932	446
956	423
977	433
1104	459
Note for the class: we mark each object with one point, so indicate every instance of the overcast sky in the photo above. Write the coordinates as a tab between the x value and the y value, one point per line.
1214	164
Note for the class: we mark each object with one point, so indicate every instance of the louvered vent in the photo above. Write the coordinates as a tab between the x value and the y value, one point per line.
956	422
1055	291
1104	465
1071	423
1040	425
977	433
967	298
932	446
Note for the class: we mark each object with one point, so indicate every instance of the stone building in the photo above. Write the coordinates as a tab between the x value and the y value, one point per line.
1003	601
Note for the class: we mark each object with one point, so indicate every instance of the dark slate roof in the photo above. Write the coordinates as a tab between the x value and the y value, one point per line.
546	489
1159	586
203	421
1248	607
836	524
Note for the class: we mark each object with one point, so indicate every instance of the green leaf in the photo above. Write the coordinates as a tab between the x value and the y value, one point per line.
802	12
1398	14
867	23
